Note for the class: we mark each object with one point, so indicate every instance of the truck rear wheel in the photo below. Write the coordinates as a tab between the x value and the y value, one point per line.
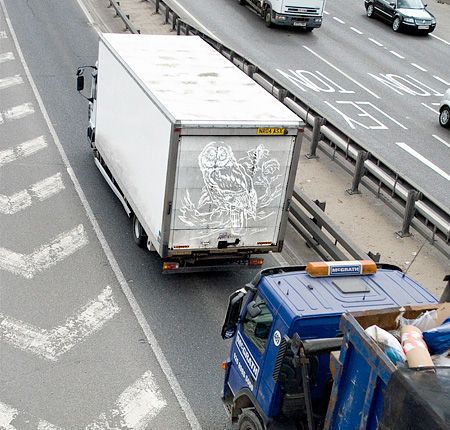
139	236
249	420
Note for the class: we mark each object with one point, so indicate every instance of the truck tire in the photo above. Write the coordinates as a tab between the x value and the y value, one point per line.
139	236
268	18
249	420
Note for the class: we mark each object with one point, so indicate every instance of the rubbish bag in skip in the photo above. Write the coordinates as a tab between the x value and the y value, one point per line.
438	338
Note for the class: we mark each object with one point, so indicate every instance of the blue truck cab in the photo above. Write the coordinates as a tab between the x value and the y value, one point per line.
278	370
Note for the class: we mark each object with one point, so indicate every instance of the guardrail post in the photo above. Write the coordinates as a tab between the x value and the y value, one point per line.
410	209
174	21
445	297
315	138
374	257
166	21
251	69
156	6
359	172
322	206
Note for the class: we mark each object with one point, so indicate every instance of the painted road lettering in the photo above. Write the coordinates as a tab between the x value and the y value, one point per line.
317	82
406	85
362	113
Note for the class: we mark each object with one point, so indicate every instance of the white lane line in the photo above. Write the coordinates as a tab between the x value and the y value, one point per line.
50	344
424	160
419	67
171	378
356	30
28	265
338	20
397	55
24	149
42	190
441	140
341	72
441	80
134	409
10	82
375	41
430	108
438	38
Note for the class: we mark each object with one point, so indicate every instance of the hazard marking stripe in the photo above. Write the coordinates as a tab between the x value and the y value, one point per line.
46	256
50	344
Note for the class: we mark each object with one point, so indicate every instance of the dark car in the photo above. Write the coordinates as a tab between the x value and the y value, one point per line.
402	14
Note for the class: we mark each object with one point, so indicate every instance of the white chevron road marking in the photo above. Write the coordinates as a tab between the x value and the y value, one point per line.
7	56
17	112
24	149
46	256
50	344
10	82
133	410
41	190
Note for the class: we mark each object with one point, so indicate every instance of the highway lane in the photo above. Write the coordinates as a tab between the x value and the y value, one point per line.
384	87
75	353
185	313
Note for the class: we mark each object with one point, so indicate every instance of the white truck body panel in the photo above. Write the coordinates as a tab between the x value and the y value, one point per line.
177	124
305	7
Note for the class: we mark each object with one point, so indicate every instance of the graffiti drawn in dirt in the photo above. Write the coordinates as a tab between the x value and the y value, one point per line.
235	191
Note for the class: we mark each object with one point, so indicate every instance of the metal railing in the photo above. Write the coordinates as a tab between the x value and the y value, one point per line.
415	207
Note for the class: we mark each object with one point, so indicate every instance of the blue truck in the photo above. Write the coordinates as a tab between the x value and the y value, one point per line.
285	325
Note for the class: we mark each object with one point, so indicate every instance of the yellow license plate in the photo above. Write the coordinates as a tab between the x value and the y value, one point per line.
270	130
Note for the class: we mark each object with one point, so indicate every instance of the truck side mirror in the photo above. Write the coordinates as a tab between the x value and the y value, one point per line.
233	313
253	309
80	83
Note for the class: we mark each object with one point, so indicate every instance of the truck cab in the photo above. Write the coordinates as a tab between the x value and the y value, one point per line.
285	308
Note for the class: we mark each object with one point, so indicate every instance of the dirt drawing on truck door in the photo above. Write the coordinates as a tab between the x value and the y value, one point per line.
235	191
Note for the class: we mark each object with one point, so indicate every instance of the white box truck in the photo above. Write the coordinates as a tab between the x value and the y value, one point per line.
202	158
306	14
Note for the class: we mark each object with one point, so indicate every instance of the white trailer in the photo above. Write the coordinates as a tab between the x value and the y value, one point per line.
202	158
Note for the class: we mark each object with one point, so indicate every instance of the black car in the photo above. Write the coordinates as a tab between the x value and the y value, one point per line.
402	14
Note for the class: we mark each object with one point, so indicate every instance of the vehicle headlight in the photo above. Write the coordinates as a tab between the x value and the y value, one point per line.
408	19
318	20
281	18
433	21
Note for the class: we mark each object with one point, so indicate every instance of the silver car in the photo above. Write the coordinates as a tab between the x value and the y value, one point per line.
444	110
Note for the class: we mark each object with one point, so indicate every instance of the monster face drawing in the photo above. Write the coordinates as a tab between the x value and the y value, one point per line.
234	192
